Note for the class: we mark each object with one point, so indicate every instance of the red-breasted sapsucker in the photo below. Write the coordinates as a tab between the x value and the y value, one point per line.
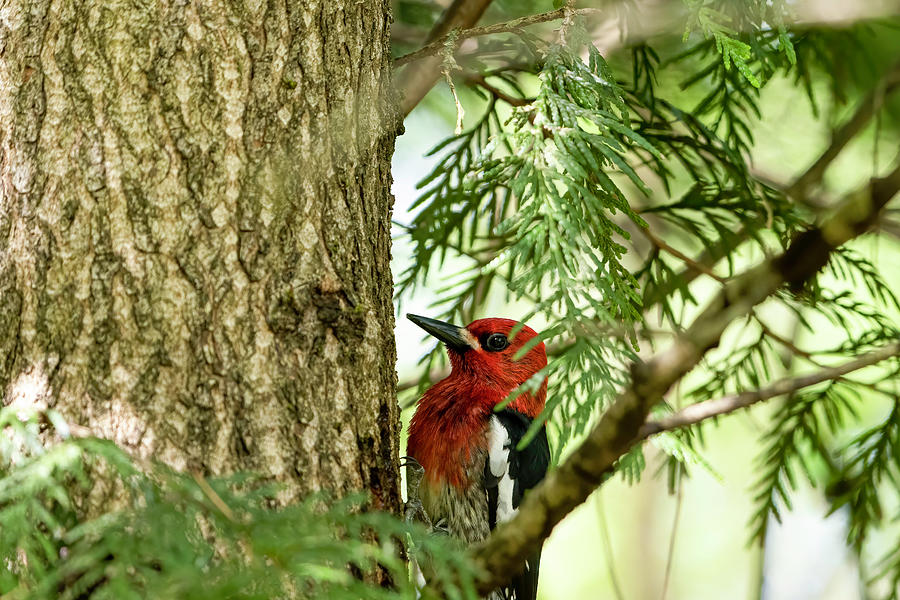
475	475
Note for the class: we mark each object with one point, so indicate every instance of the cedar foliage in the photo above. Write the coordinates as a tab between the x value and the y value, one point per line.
581	188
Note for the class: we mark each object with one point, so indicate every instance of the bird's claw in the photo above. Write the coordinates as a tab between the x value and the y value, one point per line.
410	462
413	510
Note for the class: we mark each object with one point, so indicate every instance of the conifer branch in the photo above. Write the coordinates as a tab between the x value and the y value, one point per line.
702	411
620	427
459	20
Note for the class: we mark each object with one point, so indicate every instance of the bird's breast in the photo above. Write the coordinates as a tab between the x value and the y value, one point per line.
449	438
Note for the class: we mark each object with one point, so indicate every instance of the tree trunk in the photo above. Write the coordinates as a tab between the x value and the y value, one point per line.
195	232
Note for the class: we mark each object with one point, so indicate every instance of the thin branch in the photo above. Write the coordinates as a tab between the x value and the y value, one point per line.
503	553
702	411
658	22
213	496
508	27
415	81
869	106
786	342
481	81
692	264
703	262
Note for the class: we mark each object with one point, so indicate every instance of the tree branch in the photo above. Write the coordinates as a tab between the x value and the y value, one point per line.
481	80
690	263
415	81
869	106
508	27
791	346
702	411
504	552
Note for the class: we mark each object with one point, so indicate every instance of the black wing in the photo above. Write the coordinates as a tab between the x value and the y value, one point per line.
508	474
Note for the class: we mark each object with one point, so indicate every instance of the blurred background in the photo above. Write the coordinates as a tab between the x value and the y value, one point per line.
638	541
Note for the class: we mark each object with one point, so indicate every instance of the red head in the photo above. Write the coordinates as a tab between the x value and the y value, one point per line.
485	371
483	355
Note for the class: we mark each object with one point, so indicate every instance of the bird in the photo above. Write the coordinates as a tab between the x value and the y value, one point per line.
475	474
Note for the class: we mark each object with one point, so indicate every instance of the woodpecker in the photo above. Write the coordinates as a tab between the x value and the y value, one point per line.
475	474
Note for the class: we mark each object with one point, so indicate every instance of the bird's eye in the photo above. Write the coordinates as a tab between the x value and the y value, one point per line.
496	342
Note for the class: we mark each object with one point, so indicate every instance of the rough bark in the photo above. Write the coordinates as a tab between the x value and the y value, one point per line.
194	232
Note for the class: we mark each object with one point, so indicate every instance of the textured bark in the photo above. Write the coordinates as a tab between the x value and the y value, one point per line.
194	232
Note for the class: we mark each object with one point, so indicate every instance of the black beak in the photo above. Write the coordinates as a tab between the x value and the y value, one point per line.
454	336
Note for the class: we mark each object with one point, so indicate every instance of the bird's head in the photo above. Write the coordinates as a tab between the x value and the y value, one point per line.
485	353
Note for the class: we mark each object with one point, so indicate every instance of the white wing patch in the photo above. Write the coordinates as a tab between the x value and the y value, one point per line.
498	457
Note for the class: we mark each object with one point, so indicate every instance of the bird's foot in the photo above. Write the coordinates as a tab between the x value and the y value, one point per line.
413	511
410	462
